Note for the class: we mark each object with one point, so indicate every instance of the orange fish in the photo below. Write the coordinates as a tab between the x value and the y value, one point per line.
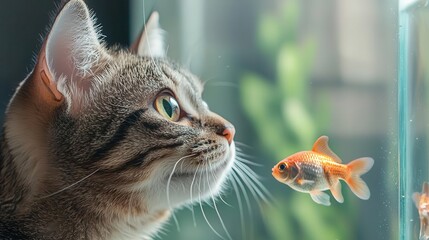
422	203
321	169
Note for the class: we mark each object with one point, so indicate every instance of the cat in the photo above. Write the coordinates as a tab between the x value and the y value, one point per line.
104	143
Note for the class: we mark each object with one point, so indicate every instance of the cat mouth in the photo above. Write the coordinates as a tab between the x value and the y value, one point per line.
205	167
211	170
199	177
206	161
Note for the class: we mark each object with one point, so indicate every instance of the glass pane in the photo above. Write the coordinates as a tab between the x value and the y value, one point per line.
285	73
414	103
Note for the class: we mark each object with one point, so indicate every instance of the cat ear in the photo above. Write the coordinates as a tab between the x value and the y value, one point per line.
71	53
150	43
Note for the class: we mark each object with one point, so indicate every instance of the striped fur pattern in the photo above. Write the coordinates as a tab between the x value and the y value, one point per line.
85	154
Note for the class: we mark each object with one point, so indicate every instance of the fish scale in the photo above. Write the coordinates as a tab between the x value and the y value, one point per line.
313	171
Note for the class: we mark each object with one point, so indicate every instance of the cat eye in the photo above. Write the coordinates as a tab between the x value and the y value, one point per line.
168	107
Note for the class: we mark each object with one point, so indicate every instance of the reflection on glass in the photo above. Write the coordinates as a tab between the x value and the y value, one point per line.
414	110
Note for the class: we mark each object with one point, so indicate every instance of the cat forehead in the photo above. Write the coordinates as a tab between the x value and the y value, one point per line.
159	72
182	78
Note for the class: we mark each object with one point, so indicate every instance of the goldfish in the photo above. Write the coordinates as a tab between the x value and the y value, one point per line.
421	200
321	169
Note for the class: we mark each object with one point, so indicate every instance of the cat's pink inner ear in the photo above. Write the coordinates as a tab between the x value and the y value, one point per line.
150	42
48	80
50	85
43	81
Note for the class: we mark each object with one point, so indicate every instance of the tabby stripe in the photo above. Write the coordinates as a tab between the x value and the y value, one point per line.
159	132
140	158
151	125
119	135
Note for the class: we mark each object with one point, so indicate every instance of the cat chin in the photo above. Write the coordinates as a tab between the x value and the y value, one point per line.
205	185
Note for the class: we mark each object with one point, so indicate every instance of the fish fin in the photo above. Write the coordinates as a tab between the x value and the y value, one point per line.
360	166
359	187
320	198
356	169
321	146
304	181
416	199
336	191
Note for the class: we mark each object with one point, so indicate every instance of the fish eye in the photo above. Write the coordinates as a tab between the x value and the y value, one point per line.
282	167
168	107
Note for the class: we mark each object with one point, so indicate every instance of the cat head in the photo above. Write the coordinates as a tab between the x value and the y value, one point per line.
116	127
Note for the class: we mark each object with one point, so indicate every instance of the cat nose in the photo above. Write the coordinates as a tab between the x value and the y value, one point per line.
221	127
228	132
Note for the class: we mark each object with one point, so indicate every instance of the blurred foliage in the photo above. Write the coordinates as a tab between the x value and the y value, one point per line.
287	119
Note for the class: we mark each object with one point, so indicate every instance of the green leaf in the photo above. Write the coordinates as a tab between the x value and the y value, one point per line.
289	72
256	95
269	33
262	103
300	121
290	14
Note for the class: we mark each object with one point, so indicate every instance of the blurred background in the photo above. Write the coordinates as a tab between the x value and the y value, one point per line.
284	72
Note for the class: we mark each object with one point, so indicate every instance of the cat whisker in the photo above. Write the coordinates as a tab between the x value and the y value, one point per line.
211	78
237	177
211	81
240	153
220	195
168	188
254	190
253	179
223	200
191	193
240	207
246	182
242	175
242	145
148	41
181	166
240	159
70	186
166	49
245	158
214	204
129	204
245	195
202	210
243	164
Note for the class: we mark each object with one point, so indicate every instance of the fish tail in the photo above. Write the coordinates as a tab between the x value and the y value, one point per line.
356	168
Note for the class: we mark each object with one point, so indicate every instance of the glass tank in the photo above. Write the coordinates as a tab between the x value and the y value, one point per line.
286	73
414	118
